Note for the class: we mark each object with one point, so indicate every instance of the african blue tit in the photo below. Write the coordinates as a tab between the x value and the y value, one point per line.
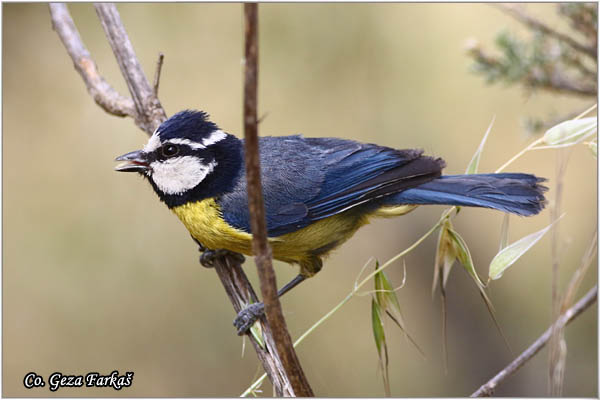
317	191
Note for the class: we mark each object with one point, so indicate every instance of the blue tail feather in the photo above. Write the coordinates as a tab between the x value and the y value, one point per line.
515	193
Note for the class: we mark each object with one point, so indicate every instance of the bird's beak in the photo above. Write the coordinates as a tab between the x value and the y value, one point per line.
135	161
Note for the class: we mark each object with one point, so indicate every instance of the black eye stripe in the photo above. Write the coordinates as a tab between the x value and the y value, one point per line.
184	150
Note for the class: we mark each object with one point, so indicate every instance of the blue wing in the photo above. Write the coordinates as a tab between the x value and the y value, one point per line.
359	173
308	179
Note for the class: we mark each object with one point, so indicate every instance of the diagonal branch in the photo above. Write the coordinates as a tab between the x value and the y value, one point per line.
103	94
260	245
148	110
584	303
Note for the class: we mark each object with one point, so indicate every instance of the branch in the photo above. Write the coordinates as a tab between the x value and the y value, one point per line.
260	245
103	94
241	294
584	303
559	82
229	270
583	18
556	81
532	22
148	111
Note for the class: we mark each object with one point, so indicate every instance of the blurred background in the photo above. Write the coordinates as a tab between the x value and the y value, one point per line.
98	275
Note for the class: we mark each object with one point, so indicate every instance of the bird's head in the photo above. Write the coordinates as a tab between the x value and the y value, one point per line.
188	158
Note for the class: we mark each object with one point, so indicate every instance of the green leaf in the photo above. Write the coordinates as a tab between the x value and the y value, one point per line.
474	163
504	232
387	302
378	332
464	256
450	247
385	293
449	260
444	257
507	256
379	335
570	132
379	295
257	334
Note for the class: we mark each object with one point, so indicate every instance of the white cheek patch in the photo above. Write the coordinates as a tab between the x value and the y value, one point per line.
153	143
180	174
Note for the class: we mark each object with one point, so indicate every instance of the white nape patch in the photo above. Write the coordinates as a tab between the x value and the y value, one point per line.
214	137
180	174
187	142
153	143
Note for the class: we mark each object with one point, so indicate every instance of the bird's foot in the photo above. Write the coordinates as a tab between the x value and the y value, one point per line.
208	257
248	316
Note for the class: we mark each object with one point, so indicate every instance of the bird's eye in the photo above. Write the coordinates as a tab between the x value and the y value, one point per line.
170	150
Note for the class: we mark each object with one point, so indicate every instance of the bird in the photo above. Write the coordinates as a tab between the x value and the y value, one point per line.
317	191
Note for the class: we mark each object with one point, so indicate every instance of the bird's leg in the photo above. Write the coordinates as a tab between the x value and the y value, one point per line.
208	257
200	245
248	316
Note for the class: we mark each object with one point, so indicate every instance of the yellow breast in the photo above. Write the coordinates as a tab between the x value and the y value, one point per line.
205	222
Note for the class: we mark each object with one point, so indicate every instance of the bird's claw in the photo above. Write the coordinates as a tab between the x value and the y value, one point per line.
248	316
208	257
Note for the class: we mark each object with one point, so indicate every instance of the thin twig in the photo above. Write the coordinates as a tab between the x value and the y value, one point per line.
555	355
558	346
149	112
159	64
577	278
260	245
521	16
584	303
103	94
